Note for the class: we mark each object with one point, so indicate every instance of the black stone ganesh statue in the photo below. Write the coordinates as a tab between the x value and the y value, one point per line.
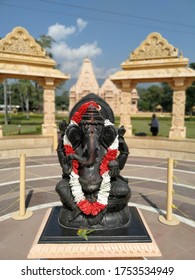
92	152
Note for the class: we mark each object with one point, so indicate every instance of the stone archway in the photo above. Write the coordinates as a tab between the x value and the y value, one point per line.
155	60
22	58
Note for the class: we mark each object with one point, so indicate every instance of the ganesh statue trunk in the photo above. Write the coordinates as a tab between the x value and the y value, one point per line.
92	153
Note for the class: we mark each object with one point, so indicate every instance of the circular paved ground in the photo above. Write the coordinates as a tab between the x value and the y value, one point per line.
147	180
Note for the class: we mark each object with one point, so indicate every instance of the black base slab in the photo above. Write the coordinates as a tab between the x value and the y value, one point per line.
135	232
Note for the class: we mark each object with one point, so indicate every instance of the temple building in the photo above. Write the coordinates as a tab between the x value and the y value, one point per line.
87	83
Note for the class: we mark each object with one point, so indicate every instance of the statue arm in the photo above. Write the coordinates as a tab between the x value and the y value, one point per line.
116	165
123	148
65	161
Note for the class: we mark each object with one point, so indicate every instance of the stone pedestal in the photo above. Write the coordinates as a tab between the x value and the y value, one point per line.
53	241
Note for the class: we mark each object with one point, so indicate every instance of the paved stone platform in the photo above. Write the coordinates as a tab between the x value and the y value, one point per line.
147	180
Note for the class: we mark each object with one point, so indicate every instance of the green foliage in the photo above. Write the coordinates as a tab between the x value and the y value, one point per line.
192	65
84	233
167	99
45	41
27	94
11	130
139	124
153	96
190	98
62	101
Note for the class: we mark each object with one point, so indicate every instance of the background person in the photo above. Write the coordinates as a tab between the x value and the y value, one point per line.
154	125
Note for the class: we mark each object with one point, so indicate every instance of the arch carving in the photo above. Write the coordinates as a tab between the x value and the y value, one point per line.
21	57
156	60
19	41
155	46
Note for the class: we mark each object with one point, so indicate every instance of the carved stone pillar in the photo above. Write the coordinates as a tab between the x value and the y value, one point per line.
49	126
1	128
178	129
1	131
125	107
72	100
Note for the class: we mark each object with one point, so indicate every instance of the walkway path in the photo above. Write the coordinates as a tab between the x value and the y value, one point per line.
147	180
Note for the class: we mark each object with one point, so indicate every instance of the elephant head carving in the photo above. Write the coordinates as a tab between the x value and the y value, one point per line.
92	152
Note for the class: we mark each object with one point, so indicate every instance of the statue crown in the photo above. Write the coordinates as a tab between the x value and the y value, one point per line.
92	116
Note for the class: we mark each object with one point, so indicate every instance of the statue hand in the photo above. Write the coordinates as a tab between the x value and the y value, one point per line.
114	168
63	127
121	131
67	165
77	157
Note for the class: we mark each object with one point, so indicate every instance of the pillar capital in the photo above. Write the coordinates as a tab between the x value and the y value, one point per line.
179	84
127	85
47	83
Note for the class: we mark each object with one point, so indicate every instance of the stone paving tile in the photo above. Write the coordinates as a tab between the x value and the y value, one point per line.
17	236
175	242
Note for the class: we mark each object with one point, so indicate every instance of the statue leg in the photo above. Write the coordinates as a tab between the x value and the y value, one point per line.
66	197
117	211
120	188
64	192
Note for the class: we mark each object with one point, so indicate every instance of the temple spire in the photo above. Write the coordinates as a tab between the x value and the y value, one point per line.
87	80
85	84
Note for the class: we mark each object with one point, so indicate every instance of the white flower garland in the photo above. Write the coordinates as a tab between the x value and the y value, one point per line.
105	186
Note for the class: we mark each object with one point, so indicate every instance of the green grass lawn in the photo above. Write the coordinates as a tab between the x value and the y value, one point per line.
139	124
142	125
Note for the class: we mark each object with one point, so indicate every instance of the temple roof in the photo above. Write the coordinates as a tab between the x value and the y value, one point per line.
154	74
86	80
108	85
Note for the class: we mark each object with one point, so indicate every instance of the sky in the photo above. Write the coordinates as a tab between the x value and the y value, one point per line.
105	31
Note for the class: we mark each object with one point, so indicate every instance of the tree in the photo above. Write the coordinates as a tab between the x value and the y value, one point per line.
154	95
45	41
143	103
167	98
27	95
26	91
62	101
150	98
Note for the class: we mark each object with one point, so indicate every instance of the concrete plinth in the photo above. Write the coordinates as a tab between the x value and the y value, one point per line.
58	246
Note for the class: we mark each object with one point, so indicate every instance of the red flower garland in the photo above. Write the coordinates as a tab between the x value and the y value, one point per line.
77	117
93	208
110	155
90	208
69	150
87	207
